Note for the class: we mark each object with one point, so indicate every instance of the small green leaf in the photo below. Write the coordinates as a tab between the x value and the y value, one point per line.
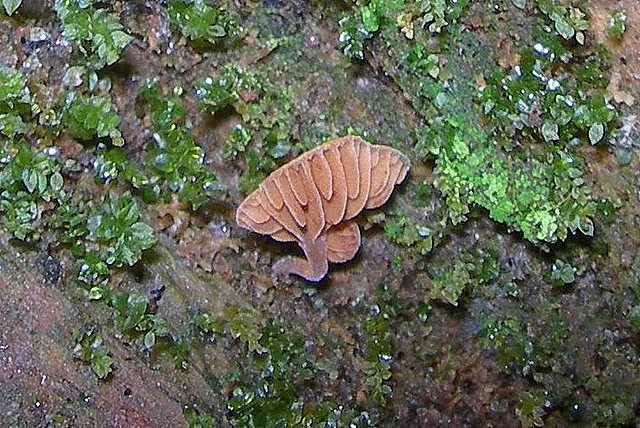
96	293
596	132
56	181
564	28
10	6
550	131
149	339
370	19
586	226
101	364
30	179
520	4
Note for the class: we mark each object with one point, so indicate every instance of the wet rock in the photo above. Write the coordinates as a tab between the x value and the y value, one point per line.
50	268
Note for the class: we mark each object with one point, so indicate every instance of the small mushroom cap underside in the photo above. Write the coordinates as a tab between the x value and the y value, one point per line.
322	188
321	191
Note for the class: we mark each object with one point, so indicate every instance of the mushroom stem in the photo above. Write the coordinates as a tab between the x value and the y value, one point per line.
314	268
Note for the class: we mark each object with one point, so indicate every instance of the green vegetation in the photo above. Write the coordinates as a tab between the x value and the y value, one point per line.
197	420
379	347
265	391
568	20
175	162
89	348
634	318
10	6
472	268
264	134
200	21
562	273
208	324
31	186
617	24
530	409
512	143
449	286
508	339
543	197
539	101
116	229
132	317
97	33
401	231
407	16
90	117
15	102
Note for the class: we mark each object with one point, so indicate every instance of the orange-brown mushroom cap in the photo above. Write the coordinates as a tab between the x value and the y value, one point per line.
313	199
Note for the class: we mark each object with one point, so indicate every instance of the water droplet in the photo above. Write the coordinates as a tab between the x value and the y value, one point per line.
553	84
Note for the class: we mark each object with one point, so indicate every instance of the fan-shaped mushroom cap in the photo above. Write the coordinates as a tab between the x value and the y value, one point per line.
311	199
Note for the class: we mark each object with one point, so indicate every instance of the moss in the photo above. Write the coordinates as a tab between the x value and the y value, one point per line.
89	348
471	269
543	198
379	346
617	24
31	187
201	22
15	102
264	136
530	409
272	386
10	6
175	162
401	231
539	100
562	273
132	317
508	339
117	231
88	118
569	20
196	419
96	33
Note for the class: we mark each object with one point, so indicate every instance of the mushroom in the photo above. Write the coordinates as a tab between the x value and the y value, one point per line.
313	200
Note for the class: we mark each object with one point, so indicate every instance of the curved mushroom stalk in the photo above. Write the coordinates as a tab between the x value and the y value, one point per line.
313	268
312	199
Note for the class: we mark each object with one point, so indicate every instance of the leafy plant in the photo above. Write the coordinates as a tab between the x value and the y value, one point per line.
554	107
530	409
543	198
634	318
10	6
117	230
562	273
449	286
379	347
90	117
196	419
30	185
569	21
617	24
266	112
97	33
90	348
207	324
15	102
131	316
420	61
508	338
200	21
175	158
401	231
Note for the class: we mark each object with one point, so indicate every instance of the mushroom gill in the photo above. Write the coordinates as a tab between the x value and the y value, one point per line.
313	199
